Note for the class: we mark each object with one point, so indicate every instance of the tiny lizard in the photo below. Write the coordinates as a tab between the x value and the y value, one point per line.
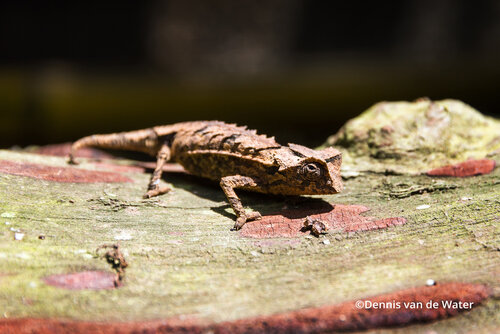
233	155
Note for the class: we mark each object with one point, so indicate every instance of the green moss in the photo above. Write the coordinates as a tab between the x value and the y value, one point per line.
184	260
413	137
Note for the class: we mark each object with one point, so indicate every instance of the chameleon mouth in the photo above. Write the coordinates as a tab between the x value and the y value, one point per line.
335	183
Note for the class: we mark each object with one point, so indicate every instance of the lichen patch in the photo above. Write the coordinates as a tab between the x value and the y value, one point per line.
437	303
464	169
93	280
339	217
60	174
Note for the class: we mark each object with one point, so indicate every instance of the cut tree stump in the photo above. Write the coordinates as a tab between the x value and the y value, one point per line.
186	266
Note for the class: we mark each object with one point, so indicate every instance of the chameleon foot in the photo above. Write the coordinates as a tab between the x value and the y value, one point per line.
156	192
316	226
254	215
243	219
71	160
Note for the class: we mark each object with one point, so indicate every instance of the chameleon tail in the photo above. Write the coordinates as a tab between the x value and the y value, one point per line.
83	142
140	140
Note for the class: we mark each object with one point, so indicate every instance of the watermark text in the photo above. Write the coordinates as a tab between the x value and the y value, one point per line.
412	305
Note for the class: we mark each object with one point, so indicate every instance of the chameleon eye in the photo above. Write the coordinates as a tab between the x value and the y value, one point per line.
311	170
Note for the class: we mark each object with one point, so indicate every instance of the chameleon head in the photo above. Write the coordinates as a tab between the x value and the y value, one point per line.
320	176
310	172
333	160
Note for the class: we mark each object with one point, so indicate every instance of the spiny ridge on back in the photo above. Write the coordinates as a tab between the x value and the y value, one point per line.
220	136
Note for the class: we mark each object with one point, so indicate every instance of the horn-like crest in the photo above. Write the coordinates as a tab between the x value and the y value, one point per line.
303	151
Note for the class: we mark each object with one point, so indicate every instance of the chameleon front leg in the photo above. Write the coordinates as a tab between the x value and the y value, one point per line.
228	184
154	188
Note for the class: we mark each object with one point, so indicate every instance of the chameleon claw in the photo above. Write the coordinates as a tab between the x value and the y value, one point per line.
242	220
71	160
156	192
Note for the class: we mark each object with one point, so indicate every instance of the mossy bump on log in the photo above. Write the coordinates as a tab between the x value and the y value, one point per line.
413	137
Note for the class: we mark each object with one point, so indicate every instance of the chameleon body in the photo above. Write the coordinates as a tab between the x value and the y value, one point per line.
236	157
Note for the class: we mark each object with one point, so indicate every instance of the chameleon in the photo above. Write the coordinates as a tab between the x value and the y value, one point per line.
236	157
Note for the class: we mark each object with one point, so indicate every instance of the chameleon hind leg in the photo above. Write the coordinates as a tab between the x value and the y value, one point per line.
154	188
228	184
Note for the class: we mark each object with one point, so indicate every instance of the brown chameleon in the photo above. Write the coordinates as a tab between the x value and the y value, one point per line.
236	157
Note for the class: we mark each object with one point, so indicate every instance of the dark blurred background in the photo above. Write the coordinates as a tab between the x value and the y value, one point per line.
296	69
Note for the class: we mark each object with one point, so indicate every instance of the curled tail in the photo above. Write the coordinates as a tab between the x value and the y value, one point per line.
141	140
88	141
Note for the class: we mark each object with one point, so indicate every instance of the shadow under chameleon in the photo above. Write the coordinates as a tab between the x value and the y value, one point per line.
291	207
